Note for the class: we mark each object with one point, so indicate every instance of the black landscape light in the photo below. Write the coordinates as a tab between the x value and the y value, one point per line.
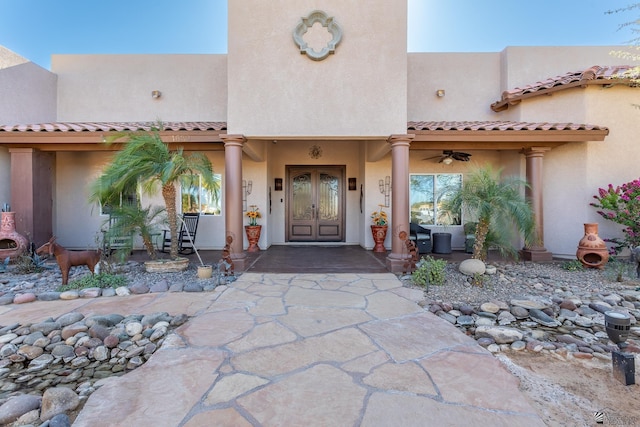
618	325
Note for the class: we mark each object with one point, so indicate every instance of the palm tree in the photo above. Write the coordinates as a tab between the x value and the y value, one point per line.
134	218
498	206
146	159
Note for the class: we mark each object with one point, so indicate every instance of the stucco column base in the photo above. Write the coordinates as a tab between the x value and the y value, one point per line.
239	261
536	255
395	264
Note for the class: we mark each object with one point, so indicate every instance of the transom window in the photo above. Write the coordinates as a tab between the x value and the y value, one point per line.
427	193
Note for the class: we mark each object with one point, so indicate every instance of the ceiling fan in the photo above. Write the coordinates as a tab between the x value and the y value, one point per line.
448	156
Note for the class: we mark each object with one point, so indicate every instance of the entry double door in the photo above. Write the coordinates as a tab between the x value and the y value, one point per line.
315	204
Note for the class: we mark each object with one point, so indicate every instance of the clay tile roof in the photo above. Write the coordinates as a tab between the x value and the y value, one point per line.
596	75
113	126
499	126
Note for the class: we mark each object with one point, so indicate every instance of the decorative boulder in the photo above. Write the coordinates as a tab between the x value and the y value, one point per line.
470	267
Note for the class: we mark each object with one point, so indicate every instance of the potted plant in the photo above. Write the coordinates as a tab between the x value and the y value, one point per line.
379	228
147	160
253	230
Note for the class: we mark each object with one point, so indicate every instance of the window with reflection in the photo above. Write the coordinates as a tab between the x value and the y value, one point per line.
197	197
427	194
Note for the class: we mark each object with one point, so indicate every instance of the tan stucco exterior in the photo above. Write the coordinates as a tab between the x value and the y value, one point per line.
280	103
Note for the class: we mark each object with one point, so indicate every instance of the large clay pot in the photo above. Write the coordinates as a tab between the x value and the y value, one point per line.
253	236
592	250
12	243
379	235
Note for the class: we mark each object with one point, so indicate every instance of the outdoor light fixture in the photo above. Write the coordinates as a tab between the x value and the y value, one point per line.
447	160
617	326
440	93
247	186
155	94
385	188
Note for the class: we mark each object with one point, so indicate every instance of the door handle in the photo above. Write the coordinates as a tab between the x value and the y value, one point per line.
313	211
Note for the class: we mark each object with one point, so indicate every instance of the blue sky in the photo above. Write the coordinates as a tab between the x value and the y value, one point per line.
36	29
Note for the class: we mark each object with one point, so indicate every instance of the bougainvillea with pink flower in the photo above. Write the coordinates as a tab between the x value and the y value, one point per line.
621	205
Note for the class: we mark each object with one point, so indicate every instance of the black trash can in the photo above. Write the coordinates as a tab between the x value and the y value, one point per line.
441	243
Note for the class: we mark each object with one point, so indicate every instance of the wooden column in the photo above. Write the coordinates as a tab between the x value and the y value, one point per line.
32	193
399	200
233	197
535	156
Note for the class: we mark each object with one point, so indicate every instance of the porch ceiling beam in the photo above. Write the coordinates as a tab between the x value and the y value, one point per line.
376	150
99	137
546	136
204	147
254	150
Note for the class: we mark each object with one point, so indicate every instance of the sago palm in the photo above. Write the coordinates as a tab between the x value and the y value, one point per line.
498	206
146	159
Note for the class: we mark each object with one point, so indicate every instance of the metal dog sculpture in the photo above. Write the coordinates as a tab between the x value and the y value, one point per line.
67	259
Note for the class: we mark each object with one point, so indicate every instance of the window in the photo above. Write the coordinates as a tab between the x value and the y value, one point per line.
198	198
427	192
130	197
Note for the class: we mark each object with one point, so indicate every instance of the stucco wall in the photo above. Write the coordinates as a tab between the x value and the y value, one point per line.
77	223
27	95
274	90
468	79
118	87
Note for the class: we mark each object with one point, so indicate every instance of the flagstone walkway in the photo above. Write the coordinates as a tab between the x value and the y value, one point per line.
300	350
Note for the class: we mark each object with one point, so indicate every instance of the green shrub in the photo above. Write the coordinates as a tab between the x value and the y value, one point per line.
102	280
430	271
572	265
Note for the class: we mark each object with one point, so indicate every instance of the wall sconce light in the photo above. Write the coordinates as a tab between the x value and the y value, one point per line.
385	188
155	94
440	93
352	184
247	186
447	160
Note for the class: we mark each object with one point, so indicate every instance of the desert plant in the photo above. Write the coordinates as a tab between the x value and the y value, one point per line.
619	270
499	207
4	264
146	159
429	271
30	262
478	279
101	280
572	265
135	219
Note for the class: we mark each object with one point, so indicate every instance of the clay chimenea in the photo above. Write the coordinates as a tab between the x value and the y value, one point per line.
592	250
12	243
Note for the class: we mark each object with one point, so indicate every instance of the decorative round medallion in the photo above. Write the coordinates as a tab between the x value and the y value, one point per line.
333	30
315	152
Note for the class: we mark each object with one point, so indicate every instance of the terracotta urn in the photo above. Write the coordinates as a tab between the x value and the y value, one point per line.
592	250
379	235
12	243
253	236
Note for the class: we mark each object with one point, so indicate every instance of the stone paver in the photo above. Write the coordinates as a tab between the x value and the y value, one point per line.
300	349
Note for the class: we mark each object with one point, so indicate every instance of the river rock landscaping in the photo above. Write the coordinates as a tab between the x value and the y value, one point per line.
537	307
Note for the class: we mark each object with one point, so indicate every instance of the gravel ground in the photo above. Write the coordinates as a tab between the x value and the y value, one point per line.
515	280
